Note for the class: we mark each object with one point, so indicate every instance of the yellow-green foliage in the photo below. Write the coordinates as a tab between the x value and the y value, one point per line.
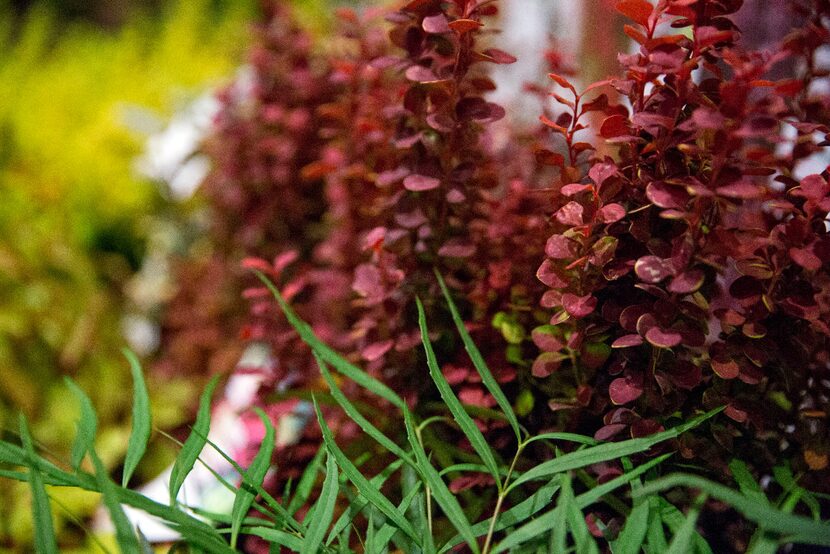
72	208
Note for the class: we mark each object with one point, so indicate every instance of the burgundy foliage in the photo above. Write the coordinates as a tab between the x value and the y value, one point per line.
699	253
662	255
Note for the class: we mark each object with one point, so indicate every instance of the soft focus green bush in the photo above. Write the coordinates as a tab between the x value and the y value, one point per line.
73	213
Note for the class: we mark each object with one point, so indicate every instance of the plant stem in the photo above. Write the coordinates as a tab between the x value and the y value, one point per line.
502	495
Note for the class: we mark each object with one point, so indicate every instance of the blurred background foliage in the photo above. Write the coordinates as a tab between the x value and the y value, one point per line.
81	85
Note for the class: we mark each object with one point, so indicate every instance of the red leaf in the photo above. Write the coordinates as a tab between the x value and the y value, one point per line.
627	341
258	264
789	87
609	431
376	350
603	250
634	34
663	338
631	314
611	213
726	368
546	339
579	306
743	189
457	248
560	247
368	283
415	5
600	172
805	258
622	391
574	189
687	282
666	196
462	26
614	126
548	275
735	414
636	10
419	183
500	56
420	74
685	375
552	124
436	24
562	82
813	187
651	269
545	364
570	214
546	157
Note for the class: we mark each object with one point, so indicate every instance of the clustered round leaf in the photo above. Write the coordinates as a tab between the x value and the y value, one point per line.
699	252
673	262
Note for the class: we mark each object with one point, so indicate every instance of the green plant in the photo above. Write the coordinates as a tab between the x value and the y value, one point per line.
538	507
74	215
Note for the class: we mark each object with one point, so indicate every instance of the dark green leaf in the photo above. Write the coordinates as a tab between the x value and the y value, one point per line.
479	363
605	452
357	417
195	442
252	478
87	424
45	540
440	492
323	510
142	420
330	356
372	494
124	533
464	421
794	528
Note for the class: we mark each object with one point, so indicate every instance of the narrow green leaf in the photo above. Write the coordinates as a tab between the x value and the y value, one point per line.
253	477
596	493
282	515
142	420
326	353
674	519
194	444
386	531
683	537
464	421
370	543
87	425
630	539
448	502
746	483
45	539
323	510
479	363
525	509
359	503
307	480
585	543
605	452
794	528
569	437
655	536
357	417
372	494
275	536
124	533
554	521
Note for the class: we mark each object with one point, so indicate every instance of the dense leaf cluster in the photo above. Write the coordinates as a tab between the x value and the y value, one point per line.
664	253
